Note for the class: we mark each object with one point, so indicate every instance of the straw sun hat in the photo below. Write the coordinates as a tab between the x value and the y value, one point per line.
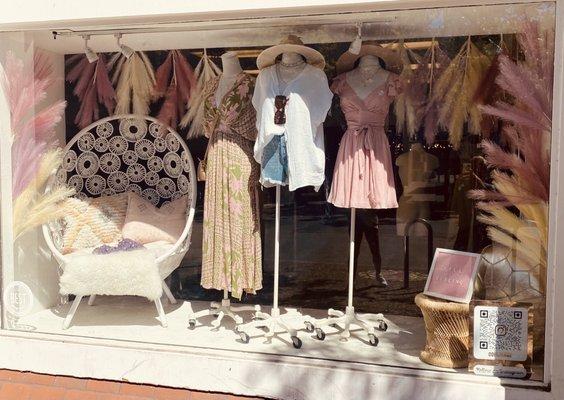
290	44
347	60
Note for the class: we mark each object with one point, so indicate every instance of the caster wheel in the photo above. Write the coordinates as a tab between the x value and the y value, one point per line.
192	324
244	337
373	340
320	334
382	326
309	326
296	341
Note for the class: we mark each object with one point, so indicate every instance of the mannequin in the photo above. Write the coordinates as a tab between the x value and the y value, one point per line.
289	67
367	76
231	69
231	189
291	99
415	170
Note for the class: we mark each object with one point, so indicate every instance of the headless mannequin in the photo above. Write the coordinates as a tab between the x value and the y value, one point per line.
415	169
416	165
289	67
367	76
231	70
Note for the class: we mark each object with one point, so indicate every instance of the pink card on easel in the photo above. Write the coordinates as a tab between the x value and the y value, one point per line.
452	275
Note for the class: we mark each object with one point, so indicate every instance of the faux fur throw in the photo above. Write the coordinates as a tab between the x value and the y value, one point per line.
132	273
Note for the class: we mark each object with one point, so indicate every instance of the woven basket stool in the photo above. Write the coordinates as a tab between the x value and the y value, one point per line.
446	324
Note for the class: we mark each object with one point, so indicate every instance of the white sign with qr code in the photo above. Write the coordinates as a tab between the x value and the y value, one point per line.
500	333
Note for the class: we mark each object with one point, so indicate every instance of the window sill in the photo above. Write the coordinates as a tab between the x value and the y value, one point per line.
179	357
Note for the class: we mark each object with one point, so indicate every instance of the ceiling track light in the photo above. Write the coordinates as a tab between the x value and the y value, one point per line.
90	54
124	49
356	44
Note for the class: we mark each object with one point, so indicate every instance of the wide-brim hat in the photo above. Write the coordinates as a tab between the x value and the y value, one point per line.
290	44
347	60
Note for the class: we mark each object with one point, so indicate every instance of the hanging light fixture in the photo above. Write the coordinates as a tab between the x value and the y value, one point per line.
124	49
90	54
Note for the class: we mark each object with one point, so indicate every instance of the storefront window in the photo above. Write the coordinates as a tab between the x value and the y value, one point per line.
435	129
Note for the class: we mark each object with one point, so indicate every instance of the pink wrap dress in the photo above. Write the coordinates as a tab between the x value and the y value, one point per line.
363	175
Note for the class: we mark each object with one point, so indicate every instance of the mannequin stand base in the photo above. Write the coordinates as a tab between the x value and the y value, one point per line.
346	319
274	323
221	310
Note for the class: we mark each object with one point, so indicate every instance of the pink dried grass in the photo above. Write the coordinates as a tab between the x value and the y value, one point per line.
93	87
175	81
33	131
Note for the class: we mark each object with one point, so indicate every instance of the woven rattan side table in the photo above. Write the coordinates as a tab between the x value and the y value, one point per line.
446	324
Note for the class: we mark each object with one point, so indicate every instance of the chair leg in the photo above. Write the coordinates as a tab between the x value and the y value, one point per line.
72	311
162	315
168	293
91	300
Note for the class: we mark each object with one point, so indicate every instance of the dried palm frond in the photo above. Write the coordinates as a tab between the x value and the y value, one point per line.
175	81
204	72
516	209
134	79
93	87
455	91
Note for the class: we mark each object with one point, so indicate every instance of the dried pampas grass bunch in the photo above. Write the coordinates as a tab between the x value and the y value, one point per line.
455	91
34	152
516	207
204	72
134	80
33	208
93	87
175	81
432	67
409	105
412	106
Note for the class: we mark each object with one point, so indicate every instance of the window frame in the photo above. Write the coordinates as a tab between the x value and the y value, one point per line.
20	349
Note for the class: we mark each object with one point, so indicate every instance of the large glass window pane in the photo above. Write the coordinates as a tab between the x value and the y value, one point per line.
458	159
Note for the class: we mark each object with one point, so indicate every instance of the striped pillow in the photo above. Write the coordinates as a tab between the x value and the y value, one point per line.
93	222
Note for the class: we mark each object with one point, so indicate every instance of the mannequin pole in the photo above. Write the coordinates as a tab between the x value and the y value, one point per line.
276	248
274	321
349	317
351	257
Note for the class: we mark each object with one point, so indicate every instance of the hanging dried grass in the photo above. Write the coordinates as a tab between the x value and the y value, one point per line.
432	67
409	105
93	87
135	80
204	72
455	91
175	81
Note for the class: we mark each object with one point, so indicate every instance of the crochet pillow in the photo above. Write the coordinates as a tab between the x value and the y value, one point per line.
93	222
146	223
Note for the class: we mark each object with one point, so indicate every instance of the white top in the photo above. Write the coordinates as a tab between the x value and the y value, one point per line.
309	100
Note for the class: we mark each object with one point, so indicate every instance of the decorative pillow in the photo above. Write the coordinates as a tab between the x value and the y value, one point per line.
93	222
146	223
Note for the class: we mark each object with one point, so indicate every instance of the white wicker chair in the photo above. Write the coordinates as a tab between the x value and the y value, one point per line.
101	160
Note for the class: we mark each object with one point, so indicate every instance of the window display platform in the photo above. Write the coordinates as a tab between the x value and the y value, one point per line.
135	319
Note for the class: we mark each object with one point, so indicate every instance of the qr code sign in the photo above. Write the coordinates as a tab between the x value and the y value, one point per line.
500	333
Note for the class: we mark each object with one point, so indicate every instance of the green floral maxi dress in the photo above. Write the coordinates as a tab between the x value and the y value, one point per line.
231	257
